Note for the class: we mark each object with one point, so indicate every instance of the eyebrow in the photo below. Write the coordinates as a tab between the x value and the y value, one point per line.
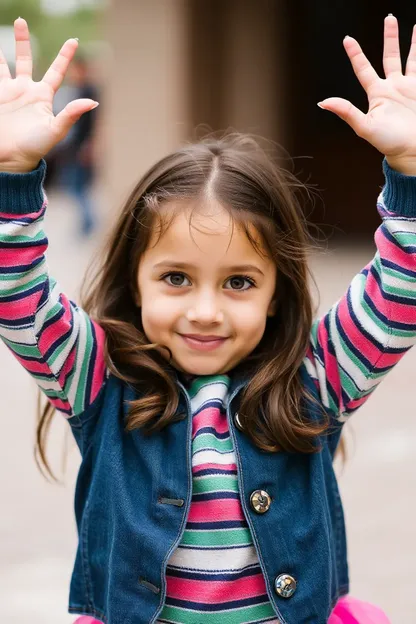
238	268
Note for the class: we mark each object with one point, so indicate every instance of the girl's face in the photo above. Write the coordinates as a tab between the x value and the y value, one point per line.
204	291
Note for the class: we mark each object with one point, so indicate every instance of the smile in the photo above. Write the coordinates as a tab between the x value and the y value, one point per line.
203	343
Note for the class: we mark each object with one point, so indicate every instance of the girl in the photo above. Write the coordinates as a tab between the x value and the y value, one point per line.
206	405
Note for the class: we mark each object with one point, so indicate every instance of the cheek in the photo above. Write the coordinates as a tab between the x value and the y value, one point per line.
251	320
157	313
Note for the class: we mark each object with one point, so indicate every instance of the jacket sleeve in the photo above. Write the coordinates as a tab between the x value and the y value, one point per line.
55	341
373	325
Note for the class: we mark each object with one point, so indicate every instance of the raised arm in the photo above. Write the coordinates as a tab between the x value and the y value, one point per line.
51	337
373	325
361	338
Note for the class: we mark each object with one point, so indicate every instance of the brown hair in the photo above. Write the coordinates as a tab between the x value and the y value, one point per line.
247	181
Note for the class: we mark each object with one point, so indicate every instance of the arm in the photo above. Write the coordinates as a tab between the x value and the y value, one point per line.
50	336
367	332
374	324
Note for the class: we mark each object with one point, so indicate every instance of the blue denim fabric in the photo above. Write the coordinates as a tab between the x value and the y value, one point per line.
133	496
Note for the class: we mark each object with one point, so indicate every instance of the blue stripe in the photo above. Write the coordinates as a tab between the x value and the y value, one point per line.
22	268
207	496
221	524
212	430
213	576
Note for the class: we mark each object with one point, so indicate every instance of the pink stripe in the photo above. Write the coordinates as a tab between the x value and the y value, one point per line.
216	510
207	466
27	215
100	367
395	254
21	308
400	312
210	417
216	592
330	361
361	342
54	332
11	257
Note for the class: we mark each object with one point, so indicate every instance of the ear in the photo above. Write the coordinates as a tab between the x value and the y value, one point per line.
272	308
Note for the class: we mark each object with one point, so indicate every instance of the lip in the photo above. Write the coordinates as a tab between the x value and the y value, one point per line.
203	343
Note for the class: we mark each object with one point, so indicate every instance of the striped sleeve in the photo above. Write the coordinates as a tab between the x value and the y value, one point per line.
374	324
53	339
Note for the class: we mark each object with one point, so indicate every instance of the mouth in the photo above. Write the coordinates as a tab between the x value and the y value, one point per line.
203	343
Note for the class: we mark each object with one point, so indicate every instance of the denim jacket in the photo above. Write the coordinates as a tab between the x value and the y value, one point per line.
133	495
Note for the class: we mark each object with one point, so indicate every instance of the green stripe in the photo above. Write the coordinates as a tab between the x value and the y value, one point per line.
236	616
16	277
405	239
87	347
200	382
403	292
396	274
21	288
221	537
215	483
23	239
209	441
31	351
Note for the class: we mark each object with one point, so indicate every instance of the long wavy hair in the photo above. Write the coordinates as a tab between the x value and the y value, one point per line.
258	192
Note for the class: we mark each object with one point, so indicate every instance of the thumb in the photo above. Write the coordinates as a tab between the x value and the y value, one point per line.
71	113
345	111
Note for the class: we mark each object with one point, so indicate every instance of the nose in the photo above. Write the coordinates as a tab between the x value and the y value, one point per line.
205	309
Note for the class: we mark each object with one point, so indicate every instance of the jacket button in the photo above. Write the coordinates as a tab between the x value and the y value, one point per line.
285	585
260	501
238	421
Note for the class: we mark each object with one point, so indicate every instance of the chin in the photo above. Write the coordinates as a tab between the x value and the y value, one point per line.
206	368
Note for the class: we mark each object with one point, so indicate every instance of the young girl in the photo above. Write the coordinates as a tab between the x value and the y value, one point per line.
206	405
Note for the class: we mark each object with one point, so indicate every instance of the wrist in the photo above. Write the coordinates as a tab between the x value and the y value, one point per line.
406	166
17	167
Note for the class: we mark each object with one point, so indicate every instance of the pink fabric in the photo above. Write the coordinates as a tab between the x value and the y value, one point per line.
350	610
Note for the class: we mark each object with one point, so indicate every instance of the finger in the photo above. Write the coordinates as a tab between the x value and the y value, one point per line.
392	62
56	72
362	67
4	68
23	49
347	112
64	121
411	59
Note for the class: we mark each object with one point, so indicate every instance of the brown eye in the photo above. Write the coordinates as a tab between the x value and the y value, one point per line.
239	282
176	279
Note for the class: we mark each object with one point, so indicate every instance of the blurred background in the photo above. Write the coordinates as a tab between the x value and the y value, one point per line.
162	69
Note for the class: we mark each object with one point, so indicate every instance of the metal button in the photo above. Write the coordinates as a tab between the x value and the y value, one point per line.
238	421
260	501
285	585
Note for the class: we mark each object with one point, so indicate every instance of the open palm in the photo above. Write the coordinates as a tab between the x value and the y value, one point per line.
28	127
390	123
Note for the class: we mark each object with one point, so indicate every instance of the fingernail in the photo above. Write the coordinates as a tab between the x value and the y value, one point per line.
76	38
390	15
320	105
95	105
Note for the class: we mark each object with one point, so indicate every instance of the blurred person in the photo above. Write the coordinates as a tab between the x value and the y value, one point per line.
75	156
206	403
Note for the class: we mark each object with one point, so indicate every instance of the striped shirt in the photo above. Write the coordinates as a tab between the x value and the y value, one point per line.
351	348
214	575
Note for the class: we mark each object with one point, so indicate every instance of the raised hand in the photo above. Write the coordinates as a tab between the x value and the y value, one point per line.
390	123
28	127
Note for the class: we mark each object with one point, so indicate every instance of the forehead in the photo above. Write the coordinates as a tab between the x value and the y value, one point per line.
204	233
